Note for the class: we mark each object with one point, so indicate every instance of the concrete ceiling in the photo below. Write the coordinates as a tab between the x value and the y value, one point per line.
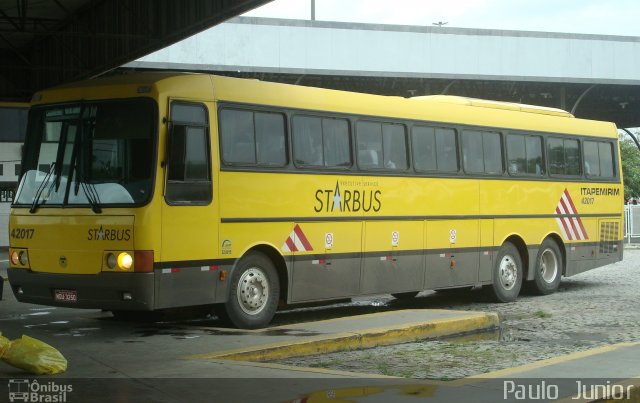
48	42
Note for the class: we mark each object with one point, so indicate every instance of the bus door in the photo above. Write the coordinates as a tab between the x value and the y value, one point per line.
452	253
326	259
189	217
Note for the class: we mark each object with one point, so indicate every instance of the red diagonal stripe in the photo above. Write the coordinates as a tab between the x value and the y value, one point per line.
566	192
575	229
303	239
564	224
291	245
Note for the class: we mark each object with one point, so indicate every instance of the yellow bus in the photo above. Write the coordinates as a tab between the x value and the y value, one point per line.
159	190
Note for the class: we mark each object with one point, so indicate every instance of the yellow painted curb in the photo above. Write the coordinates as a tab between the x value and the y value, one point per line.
365	338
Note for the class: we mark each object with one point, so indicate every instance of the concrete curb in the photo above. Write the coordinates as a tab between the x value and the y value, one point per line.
365	338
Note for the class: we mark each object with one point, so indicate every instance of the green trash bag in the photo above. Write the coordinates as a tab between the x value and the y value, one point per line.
32	355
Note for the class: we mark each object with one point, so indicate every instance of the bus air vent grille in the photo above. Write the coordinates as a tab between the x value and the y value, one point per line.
608	237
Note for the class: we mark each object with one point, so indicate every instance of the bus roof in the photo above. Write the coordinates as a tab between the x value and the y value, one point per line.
439	108
484	103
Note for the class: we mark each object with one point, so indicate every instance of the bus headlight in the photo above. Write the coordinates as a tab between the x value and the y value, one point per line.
23	257
125	261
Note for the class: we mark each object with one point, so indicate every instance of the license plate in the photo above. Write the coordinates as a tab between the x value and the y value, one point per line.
65	295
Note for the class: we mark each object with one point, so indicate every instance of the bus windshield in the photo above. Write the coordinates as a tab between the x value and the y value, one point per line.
89	154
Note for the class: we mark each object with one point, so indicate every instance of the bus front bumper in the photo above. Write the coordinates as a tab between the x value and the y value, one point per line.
108	291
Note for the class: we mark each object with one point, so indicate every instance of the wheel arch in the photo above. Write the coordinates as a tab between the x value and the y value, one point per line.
279	263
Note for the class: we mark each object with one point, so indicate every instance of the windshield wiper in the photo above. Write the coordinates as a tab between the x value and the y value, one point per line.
88	188
90	192
36	199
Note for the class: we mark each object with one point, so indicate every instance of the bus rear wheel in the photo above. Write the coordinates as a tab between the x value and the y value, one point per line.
254	293
507	274
546	279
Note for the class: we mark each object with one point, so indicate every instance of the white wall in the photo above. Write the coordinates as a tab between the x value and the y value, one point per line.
277	45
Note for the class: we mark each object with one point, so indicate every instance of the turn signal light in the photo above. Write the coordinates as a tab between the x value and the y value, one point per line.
19	258
15	259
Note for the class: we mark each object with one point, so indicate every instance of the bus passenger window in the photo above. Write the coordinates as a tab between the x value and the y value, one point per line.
252	138
598	159
572	157
382	145
394	146
321	142
423	140
481	152
605	152
516	154
564	157
524	154
446	150
307	141
188	177
472	154
270	148
236	132
434	148
337	144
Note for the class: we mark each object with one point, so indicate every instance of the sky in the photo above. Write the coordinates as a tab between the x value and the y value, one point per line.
605	17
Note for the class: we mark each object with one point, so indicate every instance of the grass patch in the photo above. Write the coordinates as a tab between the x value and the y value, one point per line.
542	314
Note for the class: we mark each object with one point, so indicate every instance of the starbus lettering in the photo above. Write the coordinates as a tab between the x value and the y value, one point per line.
108	234
347	200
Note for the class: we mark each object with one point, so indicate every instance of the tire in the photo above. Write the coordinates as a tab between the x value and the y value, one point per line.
548	269
405	295
254	293
507	274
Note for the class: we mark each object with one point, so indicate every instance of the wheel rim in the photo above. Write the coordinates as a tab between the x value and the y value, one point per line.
548	265
253	291
508	270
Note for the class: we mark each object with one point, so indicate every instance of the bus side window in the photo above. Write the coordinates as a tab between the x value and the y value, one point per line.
598	159
321	142
189	170
564	157
252	138
524	154
381	146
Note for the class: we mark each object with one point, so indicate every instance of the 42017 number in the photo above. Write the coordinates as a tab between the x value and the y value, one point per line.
22	233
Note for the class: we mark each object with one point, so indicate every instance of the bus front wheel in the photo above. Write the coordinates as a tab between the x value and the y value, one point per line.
254	293
507	274
548	268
